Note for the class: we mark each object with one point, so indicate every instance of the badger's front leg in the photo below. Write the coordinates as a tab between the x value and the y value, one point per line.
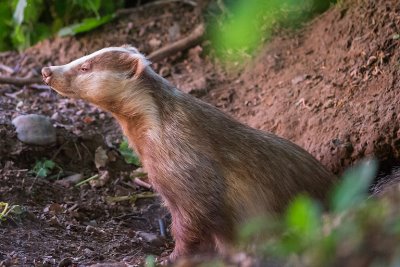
188	234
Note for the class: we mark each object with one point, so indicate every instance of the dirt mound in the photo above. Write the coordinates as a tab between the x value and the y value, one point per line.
332	88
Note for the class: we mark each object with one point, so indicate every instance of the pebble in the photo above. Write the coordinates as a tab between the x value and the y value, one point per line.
34	129
150	238
299	79
70	180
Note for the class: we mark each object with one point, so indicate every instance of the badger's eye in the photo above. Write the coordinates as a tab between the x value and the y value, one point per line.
84	68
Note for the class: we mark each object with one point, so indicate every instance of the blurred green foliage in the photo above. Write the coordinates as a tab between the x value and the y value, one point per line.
250	22
129	155
25	22
355	230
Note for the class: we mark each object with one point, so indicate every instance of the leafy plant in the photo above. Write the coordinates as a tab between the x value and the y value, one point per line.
354	187
150	261
250	22
128	154
85	26
356	226
6	210
25	22
43	168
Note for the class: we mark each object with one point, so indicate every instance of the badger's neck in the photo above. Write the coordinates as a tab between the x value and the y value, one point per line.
142	109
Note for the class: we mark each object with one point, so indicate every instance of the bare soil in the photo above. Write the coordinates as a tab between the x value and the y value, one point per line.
332	87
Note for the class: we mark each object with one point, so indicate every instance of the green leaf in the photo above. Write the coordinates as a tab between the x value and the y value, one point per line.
303	225
128	154
354	186
49	164
252	21
303	216
5	25
89	5
19	37
33	11
43	168
150	261
85	26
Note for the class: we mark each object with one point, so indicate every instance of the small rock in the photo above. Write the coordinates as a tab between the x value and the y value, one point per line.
299	79
164	71
154	43
48	261
88	252
329	104
65	262
104	177
55	116
93	230
53	221
34	129
70	180
174	32
53	208
100	157
150	238
195	87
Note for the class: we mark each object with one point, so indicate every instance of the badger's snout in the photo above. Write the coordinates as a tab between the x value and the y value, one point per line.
46	74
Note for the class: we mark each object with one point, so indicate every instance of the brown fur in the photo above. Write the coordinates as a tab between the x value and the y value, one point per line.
212	172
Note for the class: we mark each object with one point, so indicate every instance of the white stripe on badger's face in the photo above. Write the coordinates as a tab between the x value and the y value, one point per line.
131	50
70	81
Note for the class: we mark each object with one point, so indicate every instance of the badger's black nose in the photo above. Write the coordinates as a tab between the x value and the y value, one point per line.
46	74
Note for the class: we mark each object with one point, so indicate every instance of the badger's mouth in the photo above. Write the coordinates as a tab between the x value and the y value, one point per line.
64	92
47	80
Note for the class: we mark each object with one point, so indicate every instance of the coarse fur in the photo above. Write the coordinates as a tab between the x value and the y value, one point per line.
212	172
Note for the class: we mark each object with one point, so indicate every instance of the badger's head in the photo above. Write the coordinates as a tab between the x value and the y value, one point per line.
106	77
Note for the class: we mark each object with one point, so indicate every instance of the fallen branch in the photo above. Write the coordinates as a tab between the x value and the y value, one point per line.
142	183
127	11
189	41
20	81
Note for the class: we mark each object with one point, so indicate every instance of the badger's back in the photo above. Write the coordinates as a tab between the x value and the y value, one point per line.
216	161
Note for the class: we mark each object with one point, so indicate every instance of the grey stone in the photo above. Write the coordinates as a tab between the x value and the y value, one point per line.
34	129
150	238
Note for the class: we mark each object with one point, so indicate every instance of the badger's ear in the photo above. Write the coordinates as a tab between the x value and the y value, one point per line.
133	68
137	67
130	48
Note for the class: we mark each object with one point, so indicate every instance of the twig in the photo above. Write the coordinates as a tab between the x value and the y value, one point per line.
87	180
6	68
58	151
40	87
161	224
303	102
73	207
127	11
77	150
142	183
191	40
5	209
19	81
